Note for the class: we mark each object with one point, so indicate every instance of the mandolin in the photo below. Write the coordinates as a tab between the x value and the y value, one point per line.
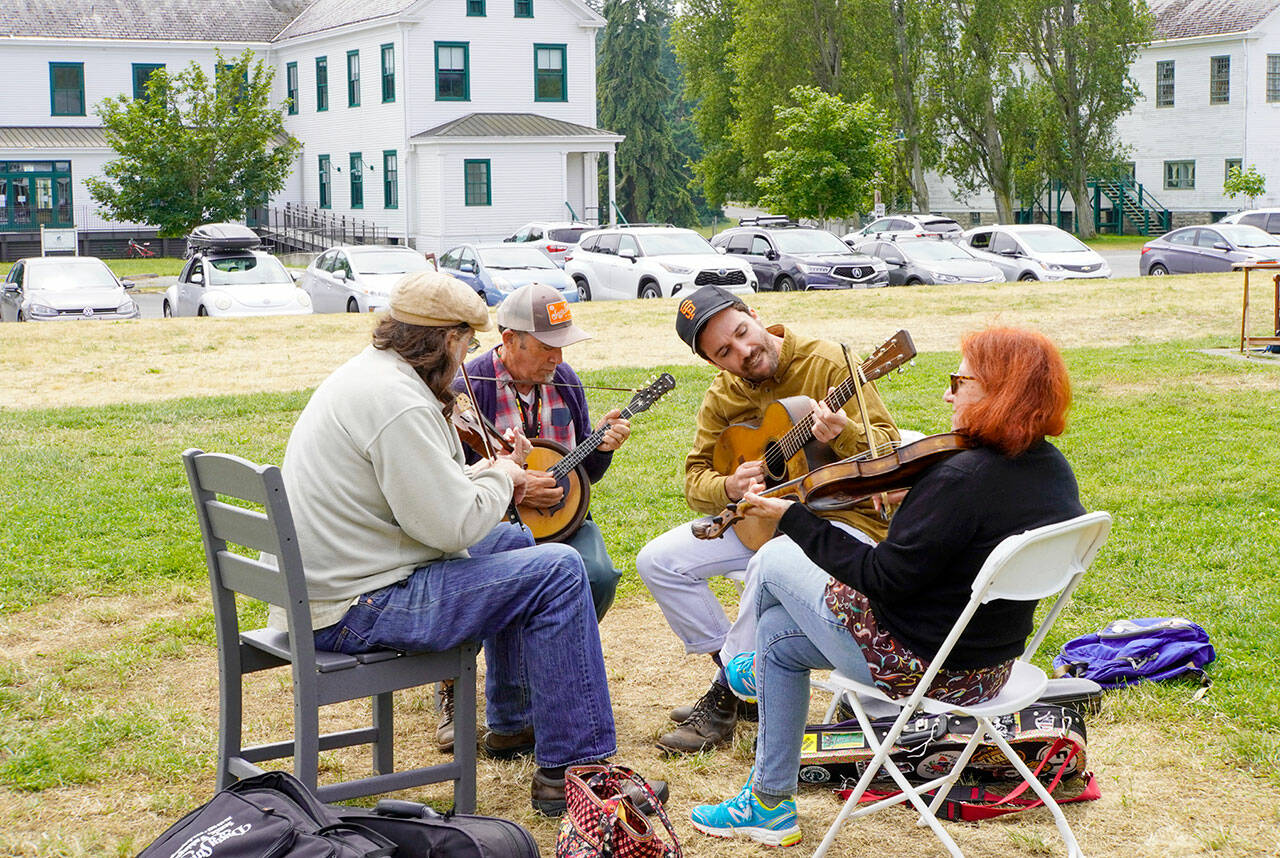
560	521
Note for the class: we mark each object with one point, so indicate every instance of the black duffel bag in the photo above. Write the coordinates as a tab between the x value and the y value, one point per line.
273	815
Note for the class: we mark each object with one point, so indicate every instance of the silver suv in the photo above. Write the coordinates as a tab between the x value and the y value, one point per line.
554	238
920	226
648	261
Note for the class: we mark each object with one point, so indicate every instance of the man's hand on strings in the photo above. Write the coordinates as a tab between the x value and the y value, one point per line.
618	432
740	480
827	424
541	490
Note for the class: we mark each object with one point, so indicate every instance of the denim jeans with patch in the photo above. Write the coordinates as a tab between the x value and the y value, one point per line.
531	606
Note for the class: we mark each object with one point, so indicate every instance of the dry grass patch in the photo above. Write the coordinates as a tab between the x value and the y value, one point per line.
1164	793
162	359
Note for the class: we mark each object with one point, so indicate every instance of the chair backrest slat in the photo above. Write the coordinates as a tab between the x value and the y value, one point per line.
253	578
240	526
232	476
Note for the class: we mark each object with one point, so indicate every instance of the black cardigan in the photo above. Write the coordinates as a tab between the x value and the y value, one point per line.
918	579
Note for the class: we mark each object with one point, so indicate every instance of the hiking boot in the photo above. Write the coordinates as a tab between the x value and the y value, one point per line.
508	746
710	723
746	712
547	794
444	727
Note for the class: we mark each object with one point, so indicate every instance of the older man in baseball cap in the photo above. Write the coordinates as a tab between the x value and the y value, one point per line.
758	366
524	384
404	546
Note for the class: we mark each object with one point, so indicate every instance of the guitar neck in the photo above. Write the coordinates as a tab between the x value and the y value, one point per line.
802	432
588	446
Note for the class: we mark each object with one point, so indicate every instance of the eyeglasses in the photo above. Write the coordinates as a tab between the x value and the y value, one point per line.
956	378
474	346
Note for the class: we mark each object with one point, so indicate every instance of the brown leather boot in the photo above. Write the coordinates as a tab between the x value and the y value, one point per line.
710	723
444	727
508	746
547	794
746	712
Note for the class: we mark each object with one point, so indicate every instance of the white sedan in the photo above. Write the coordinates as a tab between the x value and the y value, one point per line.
358	279
234	283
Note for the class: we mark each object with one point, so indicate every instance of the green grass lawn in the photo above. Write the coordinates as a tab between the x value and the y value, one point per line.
1178	446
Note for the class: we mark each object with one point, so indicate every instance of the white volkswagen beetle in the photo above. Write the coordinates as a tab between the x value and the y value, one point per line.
226	276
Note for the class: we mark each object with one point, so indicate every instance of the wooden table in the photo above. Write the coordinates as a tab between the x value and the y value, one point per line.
1247	341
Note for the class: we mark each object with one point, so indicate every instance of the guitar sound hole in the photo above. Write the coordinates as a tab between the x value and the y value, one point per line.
775	464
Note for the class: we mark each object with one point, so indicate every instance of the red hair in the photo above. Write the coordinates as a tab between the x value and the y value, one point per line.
1026	384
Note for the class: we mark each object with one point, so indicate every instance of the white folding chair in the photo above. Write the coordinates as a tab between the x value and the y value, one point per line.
1027	566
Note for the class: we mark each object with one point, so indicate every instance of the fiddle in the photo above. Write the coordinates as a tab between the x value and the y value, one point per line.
475	430
841	484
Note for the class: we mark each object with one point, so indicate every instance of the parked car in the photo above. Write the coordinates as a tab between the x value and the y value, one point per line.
913	261
227	275
647	261
786	256
1032	251
358	279
1265	219
554	238
496	270
1198	249
917	225
64	288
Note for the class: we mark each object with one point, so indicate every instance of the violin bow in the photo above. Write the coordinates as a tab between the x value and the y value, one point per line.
872	447
513	512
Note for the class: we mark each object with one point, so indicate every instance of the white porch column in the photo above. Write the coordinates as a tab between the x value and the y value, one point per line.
564	181
613	209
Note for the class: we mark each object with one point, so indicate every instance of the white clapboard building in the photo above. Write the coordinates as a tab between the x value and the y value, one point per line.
434	121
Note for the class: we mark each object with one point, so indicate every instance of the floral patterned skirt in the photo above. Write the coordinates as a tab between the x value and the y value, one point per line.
895	669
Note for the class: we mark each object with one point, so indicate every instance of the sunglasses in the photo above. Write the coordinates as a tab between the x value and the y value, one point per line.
956	378
473	346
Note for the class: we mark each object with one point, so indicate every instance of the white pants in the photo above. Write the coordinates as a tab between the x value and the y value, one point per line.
676	567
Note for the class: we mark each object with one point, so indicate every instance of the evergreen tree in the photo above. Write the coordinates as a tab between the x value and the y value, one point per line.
633	97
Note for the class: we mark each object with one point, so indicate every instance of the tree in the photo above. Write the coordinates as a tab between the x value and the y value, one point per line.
1082	51
633	95
1249	182
194	149
834	153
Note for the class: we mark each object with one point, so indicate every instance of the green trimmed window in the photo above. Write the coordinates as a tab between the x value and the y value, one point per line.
549	80
326	199
475	8
291	87
353	78
1237	163
1164	83
322	83
1273	77
357	181
388	73
390	180
142	74
453	79
1179	175
66	89
1219	80
524	8
475	172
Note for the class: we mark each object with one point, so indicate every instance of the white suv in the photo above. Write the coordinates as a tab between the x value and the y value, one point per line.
642	261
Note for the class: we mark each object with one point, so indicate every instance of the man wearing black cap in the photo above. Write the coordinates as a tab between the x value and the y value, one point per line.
758	366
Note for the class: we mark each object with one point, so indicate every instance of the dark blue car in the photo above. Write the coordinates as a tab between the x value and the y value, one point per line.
788	257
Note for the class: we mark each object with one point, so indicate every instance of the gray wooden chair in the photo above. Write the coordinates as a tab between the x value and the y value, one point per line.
221	484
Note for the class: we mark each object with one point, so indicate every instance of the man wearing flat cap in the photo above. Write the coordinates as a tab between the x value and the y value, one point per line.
524	383
404	546
758	366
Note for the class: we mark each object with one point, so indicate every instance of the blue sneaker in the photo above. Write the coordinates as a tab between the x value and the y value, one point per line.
744	814
740	674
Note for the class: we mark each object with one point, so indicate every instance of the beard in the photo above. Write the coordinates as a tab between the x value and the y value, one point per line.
762	363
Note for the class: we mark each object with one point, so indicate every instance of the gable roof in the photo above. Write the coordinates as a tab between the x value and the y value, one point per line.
168	20
510	125
327	14
1183	19
59	137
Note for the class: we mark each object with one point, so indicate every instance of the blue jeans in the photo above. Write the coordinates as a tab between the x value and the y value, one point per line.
531	606
794	634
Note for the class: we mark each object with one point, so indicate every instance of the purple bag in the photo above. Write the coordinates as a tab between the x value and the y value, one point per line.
1124	652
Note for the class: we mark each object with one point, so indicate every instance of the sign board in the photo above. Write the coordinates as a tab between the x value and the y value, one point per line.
57	240
879	210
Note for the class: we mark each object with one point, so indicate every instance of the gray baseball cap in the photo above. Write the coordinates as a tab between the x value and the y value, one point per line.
542	311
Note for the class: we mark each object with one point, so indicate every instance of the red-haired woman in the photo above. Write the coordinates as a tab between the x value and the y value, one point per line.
878	613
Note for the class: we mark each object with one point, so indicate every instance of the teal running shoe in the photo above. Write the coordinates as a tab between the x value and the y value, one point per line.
745	814
740	674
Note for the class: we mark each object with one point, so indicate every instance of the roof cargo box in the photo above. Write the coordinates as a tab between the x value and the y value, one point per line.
223	236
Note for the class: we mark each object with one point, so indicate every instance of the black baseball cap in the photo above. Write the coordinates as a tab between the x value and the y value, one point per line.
695	311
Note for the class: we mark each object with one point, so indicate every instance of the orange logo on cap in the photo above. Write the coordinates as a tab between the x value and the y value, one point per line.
558	313
687	309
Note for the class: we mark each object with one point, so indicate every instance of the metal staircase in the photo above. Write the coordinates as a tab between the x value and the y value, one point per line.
301	229
1130	205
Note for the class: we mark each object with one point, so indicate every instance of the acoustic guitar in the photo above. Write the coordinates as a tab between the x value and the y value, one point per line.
786	430
560	521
